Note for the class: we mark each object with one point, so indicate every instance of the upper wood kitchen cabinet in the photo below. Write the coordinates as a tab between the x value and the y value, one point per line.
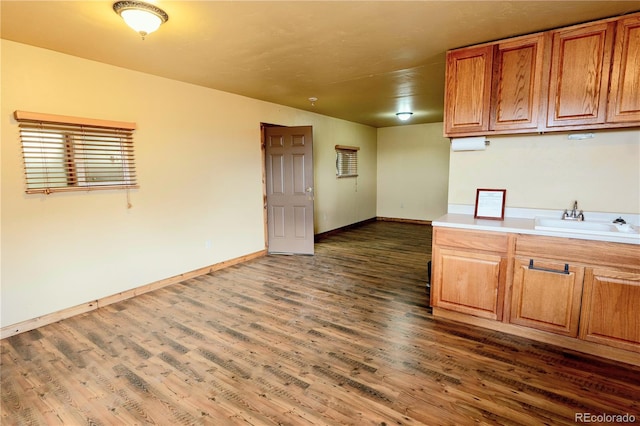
468	90
581	77
624	95
580	62
518	78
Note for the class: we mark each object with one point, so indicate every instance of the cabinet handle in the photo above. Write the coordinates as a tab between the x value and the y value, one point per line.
555	271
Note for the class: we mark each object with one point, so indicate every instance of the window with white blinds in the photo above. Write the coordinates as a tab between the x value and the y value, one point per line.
70	153
346	161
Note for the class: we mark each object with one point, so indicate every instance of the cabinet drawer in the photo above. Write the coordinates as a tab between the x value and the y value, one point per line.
579	251
478	240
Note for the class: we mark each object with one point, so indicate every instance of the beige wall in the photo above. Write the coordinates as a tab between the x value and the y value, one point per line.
413	169
550	171
344	201
200	165
200	170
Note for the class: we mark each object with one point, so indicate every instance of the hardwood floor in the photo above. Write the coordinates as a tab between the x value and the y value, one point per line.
342	337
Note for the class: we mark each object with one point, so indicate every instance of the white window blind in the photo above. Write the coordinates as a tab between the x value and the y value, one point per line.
70	153
346	161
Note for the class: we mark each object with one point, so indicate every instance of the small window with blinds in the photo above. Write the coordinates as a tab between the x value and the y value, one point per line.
70	153
346	161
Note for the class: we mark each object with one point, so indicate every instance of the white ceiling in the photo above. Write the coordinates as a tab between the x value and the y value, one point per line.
363	60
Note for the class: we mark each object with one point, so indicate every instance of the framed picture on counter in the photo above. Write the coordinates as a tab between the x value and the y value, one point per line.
490	204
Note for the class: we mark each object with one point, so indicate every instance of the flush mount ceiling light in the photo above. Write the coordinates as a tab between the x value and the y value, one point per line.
404	116
144	18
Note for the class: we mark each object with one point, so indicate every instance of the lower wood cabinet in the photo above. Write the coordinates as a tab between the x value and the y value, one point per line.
611	308
470	282
546	295
469	272
584	295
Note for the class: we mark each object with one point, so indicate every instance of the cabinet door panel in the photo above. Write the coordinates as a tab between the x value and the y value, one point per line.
518	73
610	309
624	97
469	282
468	90
580	75
546	298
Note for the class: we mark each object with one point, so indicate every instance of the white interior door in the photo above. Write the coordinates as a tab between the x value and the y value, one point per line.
289	186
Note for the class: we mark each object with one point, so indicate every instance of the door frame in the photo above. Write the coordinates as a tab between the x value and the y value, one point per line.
263	154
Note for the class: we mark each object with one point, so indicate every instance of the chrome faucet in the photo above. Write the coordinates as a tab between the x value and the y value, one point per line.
574	214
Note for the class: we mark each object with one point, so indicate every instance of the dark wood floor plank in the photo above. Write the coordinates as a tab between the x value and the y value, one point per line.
341	337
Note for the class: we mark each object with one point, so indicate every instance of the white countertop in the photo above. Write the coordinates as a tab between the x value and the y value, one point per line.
522	225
